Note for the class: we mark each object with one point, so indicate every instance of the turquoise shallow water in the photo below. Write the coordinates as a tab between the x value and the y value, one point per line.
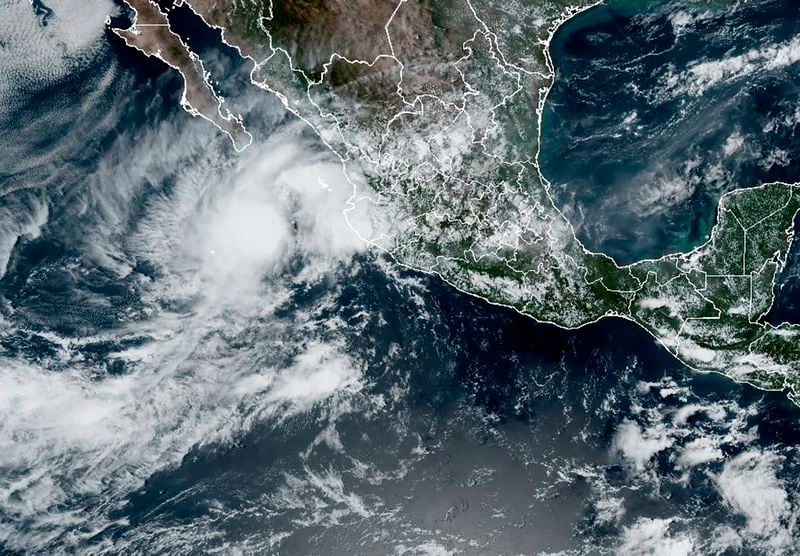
466	427
649	120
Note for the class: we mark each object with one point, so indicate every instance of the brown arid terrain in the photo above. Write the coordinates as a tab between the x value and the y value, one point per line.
435	108
152	35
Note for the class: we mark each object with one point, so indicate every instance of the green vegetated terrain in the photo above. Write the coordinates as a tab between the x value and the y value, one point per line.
434	109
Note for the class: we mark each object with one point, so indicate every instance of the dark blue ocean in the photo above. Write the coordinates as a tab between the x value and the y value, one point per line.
658	111
348	404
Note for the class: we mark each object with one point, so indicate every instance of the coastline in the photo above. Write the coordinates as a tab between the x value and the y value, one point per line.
670	341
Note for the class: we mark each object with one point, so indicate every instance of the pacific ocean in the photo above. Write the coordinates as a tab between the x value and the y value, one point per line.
196	354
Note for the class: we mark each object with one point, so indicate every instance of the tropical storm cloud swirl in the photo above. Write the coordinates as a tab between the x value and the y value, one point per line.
439	282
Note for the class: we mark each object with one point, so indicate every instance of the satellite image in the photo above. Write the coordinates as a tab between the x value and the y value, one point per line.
403	277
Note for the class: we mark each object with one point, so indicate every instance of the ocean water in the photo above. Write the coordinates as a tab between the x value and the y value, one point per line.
659	108
196	355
